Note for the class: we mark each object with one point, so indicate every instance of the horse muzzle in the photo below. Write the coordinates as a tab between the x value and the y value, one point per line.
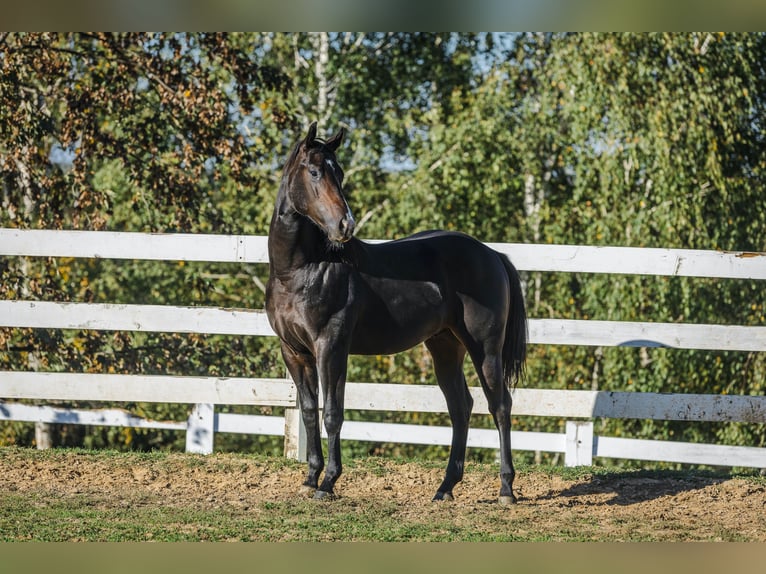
346	228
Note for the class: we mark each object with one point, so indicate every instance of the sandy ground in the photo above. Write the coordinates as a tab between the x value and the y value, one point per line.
620	506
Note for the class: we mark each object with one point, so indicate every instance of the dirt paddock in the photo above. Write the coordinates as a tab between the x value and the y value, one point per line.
552	506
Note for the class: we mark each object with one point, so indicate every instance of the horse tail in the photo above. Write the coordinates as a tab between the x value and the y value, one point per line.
516	330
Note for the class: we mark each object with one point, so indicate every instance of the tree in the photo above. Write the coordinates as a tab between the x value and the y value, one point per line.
618	139
140	132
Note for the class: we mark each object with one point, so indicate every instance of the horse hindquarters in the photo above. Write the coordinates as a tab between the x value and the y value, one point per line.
493	330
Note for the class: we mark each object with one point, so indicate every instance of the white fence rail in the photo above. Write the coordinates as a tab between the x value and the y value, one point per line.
578	444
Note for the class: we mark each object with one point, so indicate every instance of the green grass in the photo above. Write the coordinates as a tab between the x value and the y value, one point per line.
80	519
139	514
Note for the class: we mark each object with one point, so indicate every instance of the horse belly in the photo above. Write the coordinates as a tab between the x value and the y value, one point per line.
394	320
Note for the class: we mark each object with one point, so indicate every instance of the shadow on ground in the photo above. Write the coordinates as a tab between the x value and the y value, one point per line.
629	488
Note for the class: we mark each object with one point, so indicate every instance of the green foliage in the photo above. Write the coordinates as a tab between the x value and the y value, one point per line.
649	140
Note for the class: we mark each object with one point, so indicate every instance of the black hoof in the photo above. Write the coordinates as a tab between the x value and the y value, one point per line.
306	491
322	495
443	496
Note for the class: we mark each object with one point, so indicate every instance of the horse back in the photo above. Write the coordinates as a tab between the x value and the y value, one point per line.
415	287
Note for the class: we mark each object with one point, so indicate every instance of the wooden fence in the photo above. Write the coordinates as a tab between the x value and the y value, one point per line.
578	444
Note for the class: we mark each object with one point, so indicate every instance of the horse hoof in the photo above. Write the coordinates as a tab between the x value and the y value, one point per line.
506	500
322	495
444	496
306	491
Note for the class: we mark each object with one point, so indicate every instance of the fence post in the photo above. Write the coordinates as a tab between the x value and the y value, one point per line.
295	435
295	431
579	443
200	428
43	438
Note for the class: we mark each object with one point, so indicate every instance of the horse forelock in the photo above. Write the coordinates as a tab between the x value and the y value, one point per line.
316	144
292	158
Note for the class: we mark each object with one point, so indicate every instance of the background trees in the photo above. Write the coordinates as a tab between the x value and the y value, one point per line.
601	139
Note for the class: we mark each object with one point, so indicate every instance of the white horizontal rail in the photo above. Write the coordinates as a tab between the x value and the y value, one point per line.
210	320
224	422
249	424
635	405
606	447
636	260
114	317
681	452
567	403
125	245
253	249
643	334
379	397
442	436
97	417
146	388
398	432
274	426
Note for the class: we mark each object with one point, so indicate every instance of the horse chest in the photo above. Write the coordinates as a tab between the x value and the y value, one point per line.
309	306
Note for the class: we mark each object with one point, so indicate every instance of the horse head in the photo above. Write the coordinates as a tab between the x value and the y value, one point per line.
314	185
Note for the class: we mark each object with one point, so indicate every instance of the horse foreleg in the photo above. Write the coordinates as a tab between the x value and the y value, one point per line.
332	376
303	370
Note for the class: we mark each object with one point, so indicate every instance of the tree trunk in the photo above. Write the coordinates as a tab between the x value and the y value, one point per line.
321	44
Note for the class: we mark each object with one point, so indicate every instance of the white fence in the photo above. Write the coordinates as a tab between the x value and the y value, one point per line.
579	444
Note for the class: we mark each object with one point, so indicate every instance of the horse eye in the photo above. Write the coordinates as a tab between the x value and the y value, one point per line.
314	172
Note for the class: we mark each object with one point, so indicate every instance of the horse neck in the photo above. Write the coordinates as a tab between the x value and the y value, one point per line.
294	240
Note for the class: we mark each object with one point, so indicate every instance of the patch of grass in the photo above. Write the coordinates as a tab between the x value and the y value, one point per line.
83	518
80	519
37	511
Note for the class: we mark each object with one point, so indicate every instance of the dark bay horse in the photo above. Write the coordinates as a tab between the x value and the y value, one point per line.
330	295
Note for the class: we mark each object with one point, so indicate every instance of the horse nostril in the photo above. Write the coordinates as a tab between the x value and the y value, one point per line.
346	227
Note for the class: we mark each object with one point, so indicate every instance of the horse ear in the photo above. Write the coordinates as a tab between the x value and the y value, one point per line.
311	135
334	142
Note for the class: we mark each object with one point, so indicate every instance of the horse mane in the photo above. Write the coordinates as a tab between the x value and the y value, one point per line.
293	154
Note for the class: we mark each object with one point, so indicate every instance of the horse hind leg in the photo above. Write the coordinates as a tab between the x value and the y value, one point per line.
490	370
448	354
483	335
